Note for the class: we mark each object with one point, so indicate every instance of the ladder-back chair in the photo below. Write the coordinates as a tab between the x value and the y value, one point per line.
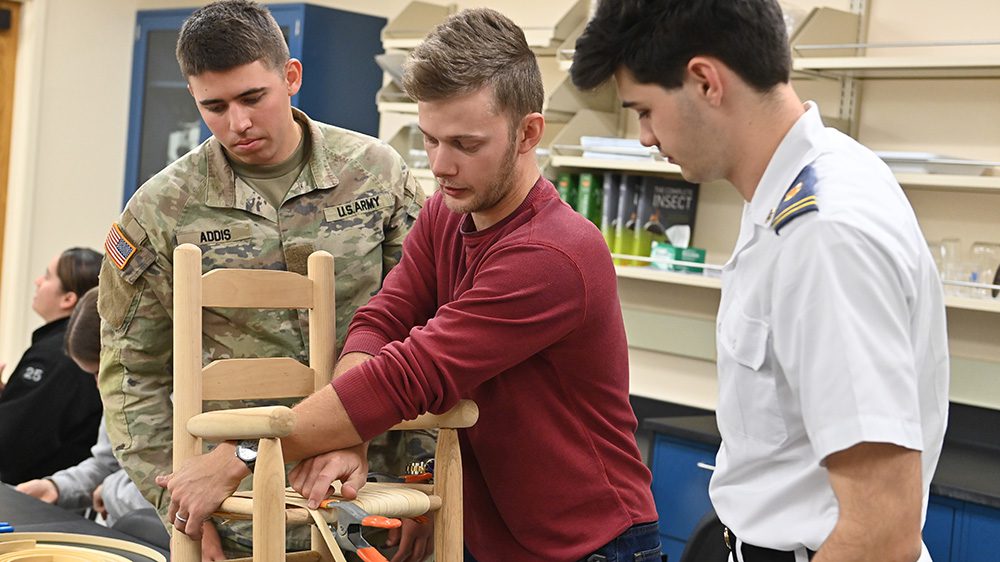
284	377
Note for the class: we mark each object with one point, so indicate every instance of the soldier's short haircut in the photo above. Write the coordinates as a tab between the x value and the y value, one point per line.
83	330
655	39
473	49
77	269
227	34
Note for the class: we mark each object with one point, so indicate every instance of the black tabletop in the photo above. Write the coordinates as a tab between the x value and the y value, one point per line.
965	472
30	515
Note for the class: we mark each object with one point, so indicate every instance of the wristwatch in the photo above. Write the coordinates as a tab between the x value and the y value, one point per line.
246	451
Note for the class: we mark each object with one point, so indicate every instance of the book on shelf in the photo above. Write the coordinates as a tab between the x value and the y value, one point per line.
566	186
665	213
588	197
609	207
628	202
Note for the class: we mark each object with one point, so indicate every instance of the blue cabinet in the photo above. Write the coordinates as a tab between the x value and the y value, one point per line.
978	539
943	516
340	80
681	472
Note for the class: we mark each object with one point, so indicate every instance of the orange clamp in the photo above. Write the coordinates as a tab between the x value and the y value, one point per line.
381	522
370	554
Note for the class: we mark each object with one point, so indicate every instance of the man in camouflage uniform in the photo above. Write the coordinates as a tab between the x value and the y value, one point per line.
269	188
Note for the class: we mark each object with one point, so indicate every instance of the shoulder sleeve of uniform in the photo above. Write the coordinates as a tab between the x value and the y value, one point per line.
797	201
124	250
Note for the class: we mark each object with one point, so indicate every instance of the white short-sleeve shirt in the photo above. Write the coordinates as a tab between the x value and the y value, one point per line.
831	332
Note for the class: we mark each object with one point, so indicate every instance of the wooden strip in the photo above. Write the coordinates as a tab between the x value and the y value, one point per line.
269	505
448	524
256	288
85	540
256	379
187	374
464	414
322	319
8	64
304	556
265	422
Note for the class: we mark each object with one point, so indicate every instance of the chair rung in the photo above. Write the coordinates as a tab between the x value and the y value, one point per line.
389	500
304	556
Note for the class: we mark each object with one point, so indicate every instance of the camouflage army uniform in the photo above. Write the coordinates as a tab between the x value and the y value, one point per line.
355	199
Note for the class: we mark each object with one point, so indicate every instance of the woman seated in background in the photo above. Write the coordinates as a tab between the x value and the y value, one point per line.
50	408
99	481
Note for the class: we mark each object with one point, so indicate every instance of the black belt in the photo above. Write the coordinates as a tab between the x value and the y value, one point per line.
753	553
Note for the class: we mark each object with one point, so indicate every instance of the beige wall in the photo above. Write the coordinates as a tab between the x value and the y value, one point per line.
68	149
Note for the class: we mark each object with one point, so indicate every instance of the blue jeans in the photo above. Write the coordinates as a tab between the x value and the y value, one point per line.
640	543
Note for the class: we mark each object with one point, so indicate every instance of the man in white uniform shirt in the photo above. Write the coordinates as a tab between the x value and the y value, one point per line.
832	350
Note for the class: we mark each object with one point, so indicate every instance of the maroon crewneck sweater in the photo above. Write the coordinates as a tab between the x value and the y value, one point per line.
524	319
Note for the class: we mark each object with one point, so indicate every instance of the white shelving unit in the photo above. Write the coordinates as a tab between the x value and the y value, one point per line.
895	68
906	180
703	281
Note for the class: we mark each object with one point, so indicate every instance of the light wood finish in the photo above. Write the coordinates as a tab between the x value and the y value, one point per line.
83	540
464	414
8	63
268	504
284	377
246	379
256	288
322	319
305	556
256	379
389	500
448	523
187	373
245	423
320	548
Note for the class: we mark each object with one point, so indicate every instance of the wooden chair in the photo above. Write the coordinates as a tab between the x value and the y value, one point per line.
272	378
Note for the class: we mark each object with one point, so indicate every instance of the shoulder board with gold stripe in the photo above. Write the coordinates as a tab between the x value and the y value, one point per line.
797	201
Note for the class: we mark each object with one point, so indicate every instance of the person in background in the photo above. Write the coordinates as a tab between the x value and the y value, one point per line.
505	296
50	409
266	190
98	481
832	347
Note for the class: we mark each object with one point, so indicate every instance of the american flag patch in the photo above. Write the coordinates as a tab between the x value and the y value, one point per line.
118	249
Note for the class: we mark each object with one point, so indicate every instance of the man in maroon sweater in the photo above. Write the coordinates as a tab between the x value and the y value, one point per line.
504	295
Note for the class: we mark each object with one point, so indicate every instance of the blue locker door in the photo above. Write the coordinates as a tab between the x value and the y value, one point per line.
979	535
939	528
681	471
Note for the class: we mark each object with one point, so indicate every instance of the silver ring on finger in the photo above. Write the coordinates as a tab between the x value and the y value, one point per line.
181	519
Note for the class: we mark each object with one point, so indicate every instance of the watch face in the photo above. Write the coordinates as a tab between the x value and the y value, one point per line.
246	452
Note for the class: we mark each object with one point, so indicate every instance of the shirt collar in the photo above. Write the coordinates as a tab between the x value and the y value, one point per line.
800	146
220	186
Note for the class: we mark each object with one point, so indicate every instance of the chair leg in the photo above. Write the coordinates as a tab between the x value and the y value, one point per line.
448	524
183	549
269	503
319	545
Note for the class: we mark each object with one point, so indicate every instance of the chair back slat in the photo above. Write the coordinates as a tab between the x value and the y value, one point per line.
255	288
256	379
